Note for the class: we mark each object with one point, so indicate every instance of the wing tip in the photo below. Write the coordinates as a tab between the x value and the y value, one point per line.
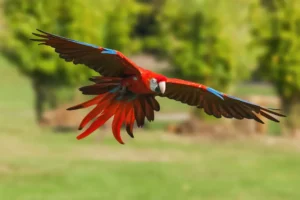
272	111
44	37
39	30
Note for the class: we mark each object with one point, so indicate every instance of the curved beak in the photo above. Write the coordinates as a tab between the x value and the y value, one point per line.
162	86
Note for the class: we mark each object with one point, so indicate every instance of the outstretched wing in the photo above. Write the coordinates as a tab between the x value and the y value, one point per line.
107	62
214	102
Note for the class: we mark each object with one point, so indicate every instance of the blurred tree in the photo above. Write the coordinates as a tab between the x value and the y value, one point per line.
121	20
208	41
276	26
148	26
90	21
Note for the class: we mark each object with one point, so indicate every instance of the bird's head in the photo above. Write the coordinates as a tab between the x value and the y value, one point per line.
158	84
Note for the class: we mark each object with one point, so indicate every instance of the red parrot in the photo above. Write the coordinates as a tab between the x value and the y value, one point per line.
127	91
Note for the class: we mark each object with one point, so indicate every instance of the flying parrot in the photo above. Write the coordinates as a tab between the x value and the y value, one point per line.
126	91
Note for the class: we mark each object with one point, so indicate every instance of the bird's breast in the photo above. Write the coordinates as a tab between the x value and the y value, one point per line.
136	85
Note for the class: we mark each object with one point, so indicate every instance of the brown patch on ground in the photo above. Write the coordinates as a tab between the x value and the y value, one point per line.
13	147
127	154
5	169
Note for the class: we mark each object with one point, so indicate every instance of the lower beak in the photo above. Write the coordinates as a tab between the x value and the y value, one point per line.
162	86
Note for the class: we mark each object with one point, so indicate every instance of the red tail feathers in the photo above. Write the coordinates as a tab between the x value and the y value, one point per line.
125	106
107	107
107	112
105	101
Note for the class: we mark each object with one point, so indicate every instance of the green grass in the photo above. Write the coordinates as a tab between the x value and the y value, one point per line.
42	165
38	164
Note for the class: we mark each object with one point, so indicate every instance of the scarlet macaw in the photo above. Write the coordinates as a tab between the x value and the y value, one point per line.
127	91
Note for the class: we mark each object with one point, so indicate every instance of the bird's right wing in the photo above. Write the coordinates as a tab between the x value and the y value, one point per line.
214	102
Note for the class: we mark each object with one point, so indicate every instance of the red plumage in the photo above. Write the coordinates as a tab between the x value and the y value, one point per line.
127	92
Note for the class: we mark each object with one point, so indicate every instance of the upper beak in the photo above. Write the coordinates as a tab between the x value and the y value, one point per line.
162	86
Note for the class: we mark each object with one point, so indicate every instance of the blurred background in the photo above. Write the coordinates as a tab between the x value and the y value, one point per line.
248	48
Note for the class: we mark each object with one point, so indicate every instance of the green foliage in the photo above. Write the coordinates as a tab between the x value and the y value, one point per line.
276	26
82	21
121	20
277	30
207	41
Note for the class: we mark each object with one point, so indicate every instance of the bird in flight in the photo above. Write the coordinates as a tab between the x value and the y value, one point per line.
126	91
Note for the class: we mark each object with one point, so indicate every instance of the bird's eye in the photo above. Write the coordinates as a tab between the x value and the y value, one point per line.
153	80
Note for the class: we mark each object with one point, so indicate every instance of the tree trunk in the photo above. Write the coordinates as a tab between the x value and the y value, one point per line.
53	102
40	100
291	108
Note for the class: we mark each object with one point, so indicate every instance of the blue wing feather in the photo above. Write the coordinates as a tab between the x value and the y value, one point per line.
215	92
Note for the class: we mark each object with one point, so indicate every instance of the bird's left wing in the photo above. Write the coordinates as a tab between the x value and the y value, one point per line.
214	102
107	62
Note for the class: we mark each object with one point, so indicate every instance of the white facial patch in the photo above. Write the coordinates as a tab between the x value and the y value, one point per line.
153	84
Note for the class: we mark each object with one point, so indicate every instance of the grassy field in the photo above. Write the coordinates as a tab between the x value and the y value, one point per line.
39	164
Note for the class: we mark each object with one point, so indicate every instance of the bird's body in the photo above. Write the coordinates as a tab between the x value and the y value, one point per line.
140	83
127	91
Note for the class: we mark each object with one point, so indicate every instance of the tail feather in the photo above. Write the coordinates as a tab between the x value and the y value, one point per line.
111	101
104	102
148	110
138	113
97	88
117	123
142	105
87	103
153	102
128	120
108	113
130	123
